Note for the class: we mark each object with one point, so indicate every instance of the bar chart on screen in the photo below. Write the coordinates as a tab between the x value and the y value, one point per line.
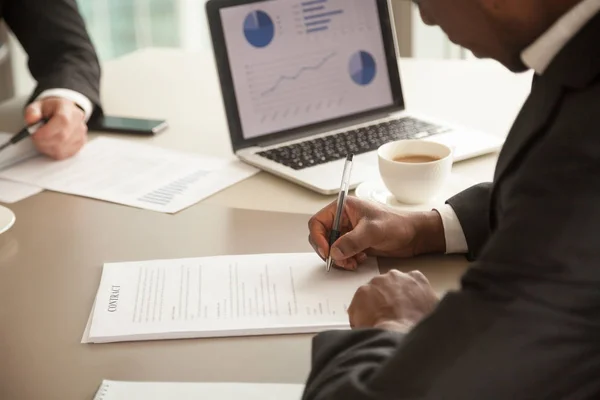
337	17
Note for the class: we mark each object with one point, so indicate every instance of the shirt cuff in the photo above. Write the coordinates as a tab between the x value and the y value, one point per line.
82	102
456	243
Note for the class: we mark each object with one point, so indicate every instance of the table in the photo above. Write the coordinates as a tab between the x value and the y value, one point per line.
50	267
50	262
183	88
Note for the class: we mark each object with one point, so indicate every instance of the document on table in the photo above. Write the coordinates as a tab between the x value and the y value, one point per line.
114	390
15	153
222	296
133	174
11	192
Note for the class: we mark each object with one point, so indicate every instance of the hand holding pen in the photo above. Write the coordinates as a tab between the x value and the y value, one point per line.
349	230
65	130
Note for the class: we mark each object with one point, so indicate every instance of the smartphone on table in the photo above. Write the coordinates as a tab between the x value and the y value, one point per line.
132	126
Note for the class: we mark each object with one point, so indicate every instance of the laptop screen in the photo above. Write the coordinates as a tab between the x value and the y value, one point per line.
299	62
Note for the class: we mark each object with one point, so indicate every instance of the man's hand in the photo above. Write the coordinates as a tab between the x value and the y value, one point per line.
394	301
370	229
66	131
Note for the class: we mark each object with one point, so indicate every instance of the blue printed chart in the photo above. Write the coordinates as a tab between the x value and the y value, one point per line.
362	68
259	29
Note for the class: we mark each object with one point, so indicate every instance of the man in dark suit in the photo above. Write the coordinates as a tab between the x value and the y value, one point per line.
63	62
526	322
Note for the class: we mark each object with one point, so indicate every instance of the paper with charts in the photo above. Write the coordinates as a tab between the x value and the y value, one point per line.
133	174
222	296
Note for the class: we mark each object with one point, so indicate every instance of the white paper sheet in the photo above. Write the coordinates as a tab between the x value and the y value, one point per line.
223	296
11	192
16	153
113	390
133	174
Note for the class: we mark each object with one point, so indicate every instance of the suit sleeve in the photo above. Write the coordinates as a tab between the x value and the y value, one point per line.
54	36
472	207
524	324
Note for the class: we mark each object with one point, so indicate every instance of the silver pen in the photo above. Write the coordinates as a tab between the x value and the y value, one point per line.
341	201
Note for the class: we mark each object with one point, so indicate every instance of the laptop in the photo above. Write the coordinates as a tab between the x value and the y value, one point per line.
306	82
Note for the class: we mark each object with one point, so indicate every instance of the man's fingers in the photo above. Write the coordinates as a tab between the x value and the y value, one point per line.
54	131
419	277
33	113
64	119
355	308
352	263
349	264
61	151
352	243
318	236
51	106
60	144
315	247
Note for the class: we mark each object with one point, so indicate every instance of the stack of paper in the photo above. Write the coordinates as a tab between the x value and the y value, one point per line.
222	296
133	174
112	390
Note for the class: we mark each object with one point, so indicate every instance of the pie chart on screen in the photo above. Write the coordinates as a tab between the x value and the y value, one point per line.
259	29
362	68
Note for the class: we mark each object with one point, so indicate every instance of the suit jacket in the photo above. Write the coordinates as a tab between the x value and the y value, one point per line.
526	322
55	39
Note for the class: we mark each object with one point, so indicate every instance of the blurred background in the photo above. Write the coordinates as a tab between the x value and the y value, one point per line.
119	27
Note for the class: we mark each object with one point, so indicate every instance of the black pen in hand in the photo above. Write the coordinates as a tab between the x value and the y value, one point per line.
335	233
24	133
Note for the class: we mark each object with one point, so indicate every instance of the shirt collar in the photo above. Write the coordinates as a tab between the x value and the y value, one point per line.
540	54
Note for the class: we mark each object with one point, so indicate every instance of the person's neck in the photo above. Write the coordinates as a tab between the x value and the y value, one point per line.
539	16
550	11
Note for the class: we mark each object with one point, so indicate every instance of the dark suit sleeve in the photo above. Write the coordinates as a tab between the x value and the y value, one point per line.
472	207
55	38
524	324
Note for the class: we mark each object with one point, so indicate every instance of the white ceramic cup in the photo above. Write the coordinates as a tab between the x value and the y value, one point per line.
410	182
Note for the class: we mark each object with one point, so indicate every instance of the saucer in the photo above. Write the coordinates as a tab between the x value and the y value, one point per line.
7	219
376	191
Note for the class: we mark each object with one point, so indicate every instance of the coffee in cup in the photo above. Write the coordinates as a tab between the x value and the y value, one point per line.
414	171
415	158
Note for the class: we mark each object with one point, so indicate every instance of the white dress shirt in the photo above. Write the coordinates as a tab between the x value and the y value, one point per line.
538	57
82	102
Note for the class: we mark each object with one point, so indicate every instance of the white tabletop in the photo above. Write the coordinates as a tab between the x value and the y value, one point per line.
183	88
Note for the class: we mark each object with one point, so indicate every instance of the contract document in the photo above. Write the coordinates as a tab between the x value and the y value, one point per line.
222	296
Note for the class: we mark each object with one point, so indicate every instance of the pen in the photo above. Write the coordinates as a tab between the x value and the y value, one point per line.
335	230
25	132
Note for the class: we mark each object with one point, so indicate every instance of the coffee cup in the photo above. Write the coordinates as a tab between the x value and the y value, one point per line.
414	171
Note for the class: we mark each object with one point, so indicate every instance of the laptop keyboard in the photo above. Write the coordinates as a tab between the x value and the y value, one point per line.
357	141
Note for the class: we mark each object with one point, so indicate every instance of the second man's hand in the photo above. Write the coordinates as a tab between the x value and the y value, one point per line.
395	301
64	134
369	229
